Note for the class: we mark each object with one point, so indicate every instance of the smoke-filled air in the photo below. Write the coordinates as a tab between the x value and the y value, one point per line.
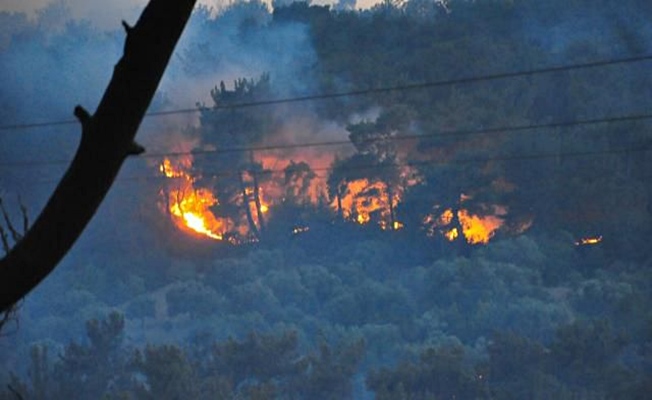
415	199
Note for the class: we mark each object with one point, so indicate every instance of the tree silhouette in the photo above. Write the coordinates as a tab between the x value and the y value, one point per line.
107	140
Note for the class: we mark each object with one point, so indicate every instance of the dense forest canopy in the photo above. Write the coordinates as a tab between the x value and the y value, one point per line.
424	199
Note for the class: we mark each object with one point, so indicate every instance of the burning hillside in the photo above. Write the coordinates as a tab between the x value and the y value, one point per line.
475	229
188	206
267	163
198	210
364	201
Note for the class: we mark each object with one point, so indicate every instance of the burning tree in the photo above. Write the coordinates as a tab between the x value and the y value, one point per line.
232	204
190	206
457	202
360	191
369	185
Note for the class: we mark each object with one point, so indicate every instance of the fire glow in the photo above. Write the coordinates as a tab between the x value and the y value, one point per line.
589	241
475	229
189	207
363	201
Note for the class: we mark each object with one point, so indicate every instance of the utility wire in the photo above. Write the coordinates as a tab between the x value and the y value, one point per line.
334	143
443	134
364	92
507	158
503	158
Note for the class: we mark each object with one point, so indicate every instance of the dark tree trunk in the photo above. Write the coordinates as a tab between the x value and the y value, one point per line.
259	207
246	200
390	201
340	212
107	139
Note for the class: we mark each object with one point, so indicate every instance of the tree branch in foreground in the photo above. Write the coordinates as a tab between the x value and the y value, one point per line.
107	139
10	314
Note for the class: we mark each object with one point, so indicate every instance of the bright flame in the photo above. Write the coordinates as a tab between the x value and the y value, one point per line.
589	241
451	234
364	201
446	217
198	224
474	228
478	229
189	207
171	171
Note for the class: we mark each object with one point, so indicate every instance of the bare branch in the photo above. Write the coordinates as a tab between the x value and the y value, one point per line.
5	239
23	211
15	235
11	313
10	316
15	392
106	141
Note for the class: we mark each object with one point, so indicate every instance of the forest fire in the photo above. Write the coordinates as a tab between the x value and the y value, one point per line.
364	201
589	241
189	207
475	229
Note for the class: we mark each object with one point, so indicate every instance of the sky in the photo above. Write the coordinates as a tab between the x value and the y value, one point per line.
101	13
105	14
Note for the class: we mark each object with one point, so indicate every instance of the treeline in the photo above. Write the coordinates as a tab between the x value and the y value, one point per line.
495	324
273	366
472	146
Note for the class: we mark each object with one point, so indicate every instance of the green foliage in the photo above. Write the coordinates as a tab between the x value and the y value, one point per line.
519	368
168	374
439	373
587	351
193	298
259	367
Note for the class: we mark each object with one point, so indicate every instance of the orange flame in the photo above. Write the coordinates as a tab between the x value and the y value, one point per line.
477	229
364	201
189	207
474	228
300	189
253	207
452	234
589	241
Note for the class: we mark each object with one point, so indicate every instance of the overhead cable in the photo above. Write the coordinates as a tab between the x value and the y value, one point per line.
334	143
422	163
363	92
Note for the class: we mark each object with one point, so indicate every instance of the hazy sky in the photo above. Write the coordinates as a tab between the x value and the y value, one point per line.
106	14
102	13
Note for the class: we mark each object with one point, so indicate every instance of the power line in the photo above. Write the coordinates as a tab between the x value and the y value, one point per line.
334	143
364	92
508	158
503	158
444	134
